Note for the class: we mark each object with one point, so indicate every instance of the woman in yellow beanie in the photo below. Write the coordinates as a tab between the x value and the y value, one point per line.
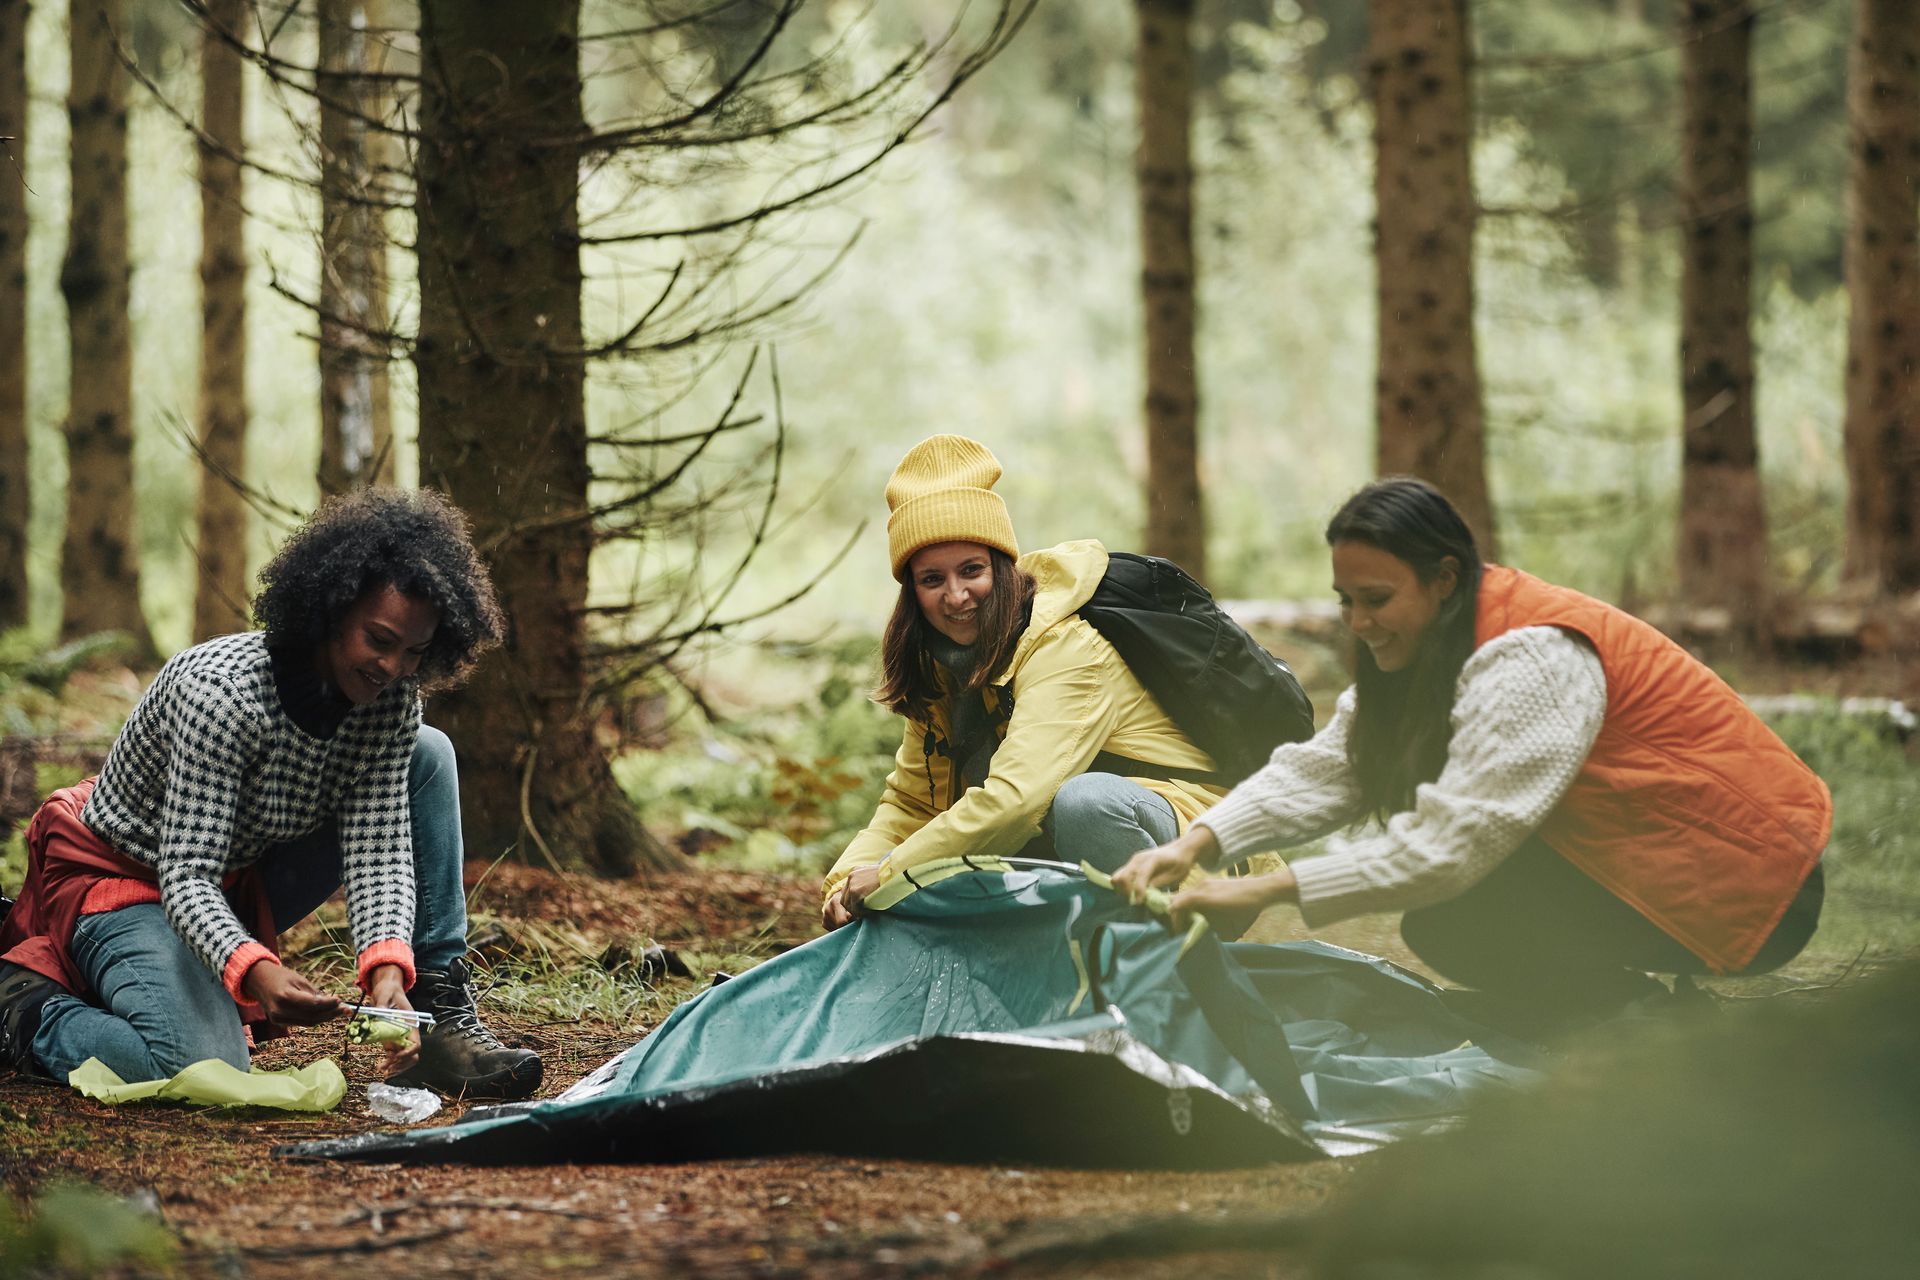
1008	696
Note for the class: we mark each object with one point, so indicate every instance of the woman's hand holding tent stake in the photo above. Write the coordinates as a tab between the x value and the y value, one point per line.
1158	901
1231	905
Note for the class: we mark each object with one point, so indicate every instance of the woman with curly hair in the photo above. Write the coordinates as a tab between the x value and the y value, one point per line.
258	774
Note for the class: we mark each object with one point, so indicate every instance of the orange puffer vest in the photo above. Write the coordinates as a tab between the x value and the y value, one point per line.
1688	807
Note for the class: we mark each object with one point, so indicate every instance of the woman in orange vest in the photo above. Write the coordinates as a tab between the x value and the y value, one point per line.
1559	798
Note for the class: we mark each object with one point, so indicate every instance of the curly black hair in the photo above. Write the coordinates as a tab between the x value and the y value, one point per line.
412	539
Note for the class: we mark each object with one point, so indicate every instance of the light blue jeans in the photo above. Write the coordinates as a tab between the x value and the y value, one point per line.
1103	819
159	1009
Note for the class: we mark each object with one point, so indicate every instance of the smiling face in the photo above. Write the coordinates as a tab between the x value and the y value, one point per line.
380	639
950	579
1384	602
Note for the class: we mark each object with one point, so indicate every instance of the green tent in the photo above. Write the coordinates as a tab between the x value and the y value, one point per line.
1013	1011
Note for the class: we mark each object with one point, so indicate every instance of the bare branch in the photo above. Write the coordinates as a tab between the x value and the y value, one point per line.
214	146
743	318
725	91
633	330
840	111
645	493
685	437
269	62
689	19
283	73
284	515
1011	18
398	345
630	662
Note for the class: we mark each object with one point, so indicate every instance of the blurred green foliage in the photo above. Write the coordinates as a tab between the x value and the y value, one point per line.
784	786
75	1231
39	698
1873	860
33	677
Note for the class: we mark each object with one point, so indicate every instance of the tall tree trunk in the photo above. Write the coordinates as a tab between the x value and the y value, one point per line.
1883	289
99	571
1427	393
356	446
13	315
1723	522
220	594
1176	521
503	416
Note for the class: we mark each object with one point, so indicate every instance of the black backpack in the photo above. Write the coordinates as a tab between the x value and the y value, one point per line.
1236	701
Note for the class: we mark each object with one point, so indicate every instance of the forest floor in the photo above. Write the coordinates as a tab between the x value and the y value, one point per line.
235	1209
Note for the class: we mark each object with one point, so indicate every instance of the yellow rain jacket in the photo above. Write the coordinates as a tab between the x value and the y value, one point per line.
1072	697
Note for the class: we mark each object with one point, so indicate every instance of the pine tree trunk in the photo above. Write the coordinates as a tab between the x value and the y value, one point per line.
386	158
1176	520
220	593
99	570
503	418
1723	523
356	446
1427	394
1883	289
14	510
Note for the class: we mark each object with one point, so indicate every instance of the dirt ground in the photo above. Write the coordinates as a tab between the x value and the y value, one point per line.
237	1210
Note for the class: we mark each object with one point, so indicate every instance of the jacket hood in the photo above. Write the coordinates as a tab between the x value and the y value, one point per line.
1064	578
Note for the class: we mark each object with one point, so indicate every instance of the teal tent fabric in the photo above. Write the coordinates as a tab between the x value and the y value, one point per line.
1013	1013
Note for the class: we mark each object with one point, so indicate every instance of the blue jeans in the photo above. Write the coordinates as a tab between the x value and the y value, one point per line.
159	1009
1103	819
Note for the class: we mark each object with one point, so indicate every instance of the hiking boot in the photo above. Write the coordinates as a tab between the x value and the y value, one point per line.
458	1055
23	994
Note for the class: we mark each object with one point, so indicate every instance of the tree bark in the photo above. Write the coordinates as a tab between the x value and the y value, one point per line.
1427	392
1883	289
220	593
356	445
99	572
14	492
1723	523
1176	520
503	417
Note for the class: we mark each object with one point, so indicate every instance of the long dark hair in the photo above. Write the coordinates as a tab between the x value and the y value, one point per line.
909	676
1401	718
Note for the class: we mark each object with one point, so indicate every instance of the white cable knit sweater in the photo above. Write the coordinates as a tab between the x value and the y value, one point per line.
1526	710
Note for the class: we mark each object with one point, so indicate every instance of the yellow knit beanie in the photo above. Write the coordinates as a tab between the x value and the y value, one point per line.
942	491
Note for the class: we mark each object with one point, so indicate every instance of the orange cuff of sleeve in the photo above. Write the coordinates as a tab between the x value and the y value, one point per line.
391	951
244	957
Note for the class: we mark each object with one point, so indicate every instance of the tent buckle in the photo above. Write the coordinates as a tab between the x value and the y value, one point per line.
1180	1111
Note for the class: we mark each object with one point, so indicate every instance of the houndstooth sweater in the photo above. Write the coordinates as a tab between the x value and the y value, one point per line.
210	771
1526	710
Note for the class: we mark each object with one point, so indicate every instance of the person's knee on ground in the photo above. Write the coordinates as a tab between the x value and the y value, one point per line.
1451	941
1103	819
69	1031
174	1054
160	1010
1511	984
